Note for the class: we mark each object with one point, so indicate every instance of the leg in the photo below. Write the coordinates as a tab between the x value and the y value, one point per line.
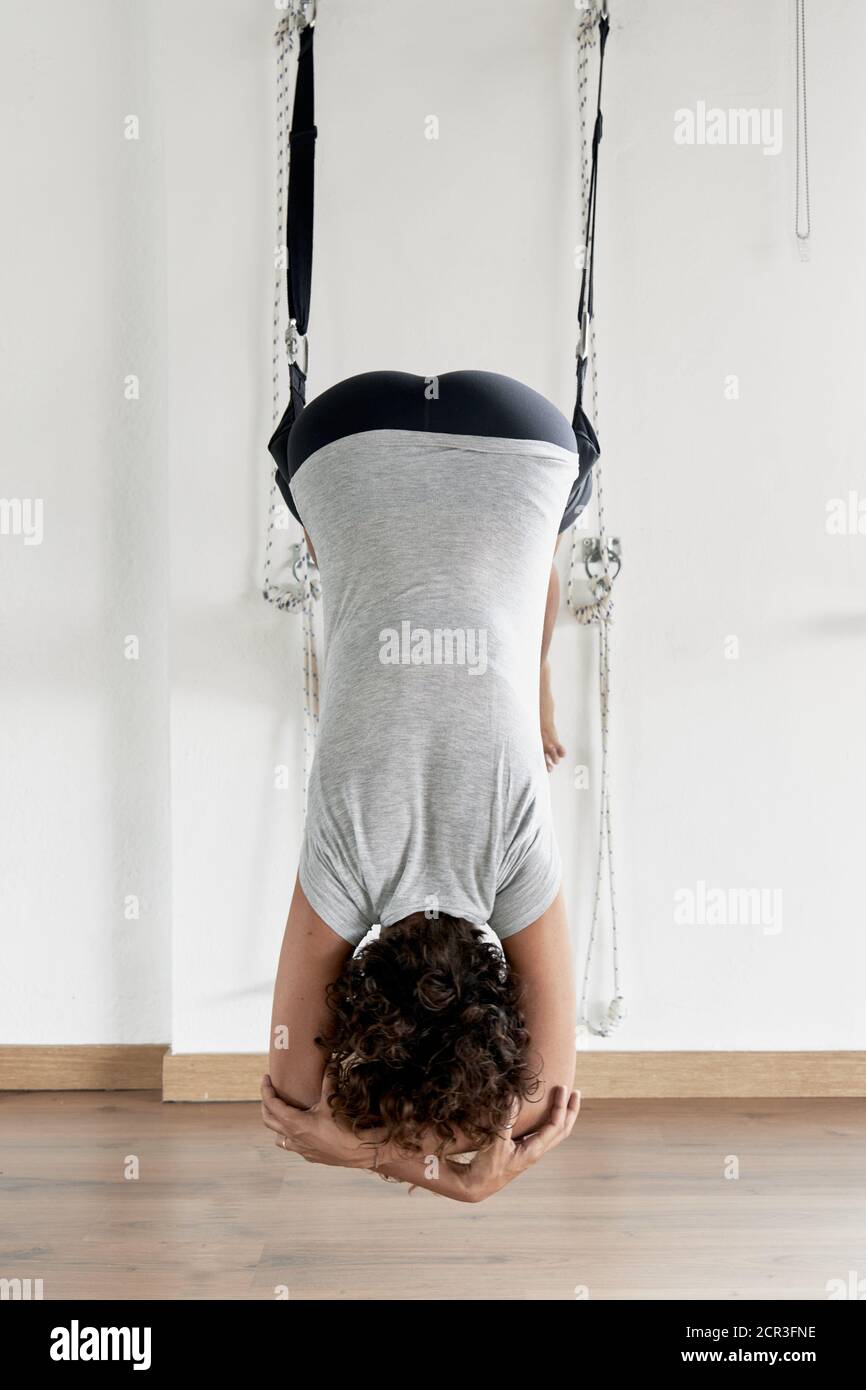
553	749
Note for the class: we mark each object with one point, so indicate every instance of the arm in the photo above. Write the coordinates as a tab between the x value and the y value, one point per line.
494	1168
540	955
312	956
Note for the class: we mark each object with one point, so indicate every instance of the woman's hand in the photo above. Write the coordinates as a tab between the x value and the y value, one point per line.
318	1138
496	1166
506	1158
314	1133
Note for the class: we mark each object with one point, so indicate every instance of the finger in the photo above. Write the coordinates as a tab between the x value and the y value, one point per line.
275	1103
270	1098
284	1123
572	1111
569	1117
534	1146
287	1114
552	1132
558	1109
273	1125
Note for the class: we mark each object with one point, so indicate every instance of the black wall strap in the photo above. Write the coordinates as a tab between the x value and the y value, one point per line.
587	441
279	444
299	220
587	279
299	248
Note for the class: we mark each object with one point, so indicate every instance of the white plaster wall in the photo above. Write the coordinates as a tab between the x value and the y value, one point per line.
84	805
430	256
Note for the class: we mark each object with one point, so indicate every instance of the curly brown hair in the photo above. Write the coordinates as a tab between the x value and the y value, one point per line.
428	1036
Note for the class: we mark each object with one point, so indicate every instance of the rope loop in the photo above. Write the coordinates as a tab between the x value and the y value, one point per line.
301	595
599	612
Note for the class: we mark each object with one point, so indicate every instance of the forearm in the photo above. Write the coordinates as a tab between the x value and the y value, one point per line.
427	1172
312	955
295	1085
296	1065
540	956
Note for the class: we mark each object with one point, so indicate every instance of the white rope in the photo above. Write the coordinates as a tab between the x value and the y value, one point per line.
302	593
600	612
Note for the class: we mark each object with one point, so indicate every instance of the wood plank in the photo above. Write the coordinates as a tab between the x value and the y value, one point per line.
600	1075
639	1203
112	1067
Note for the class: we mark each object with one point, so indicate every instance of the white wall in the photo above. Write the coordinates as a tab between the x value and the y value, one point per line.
84	805
430	255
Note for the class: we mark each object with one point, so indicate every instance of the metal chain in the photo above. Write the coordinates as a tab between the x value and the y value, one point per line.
802	132
306	588
600	611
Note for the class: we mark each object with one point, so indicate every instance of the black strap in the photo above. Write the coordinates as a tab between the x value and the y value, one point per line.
586	302
299	245
299	219
299	250
588	278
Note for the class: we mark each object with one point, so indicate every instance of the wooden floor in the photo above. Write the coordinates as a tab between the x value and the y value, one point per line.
635	1205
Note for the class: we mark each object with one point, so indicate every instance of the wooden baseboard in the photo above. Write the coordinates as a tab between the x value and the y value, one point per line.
735	1075
599	1075
228	1076
213	1075
114	1067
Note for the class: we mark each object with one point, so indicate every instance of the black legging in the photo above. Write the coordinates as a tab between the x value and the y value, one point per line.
467	402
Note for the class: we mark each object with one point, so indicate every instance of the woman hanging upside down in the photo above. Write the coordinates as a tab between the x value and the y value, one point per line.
435	508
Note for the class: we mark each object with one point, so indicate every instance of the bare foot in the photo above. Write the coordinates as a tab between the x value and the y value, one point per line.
553	749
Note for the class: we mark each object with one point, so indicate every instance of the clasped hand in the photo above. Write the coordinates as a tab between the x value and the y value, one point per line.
319	1137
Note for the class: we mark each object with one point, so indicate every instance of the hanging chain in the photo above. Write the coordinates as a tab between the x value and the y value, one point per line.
600	612
306	588
802	229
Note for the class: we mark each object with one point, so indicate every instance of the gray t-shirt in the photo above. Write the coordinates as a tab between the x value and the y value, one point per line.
429	789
